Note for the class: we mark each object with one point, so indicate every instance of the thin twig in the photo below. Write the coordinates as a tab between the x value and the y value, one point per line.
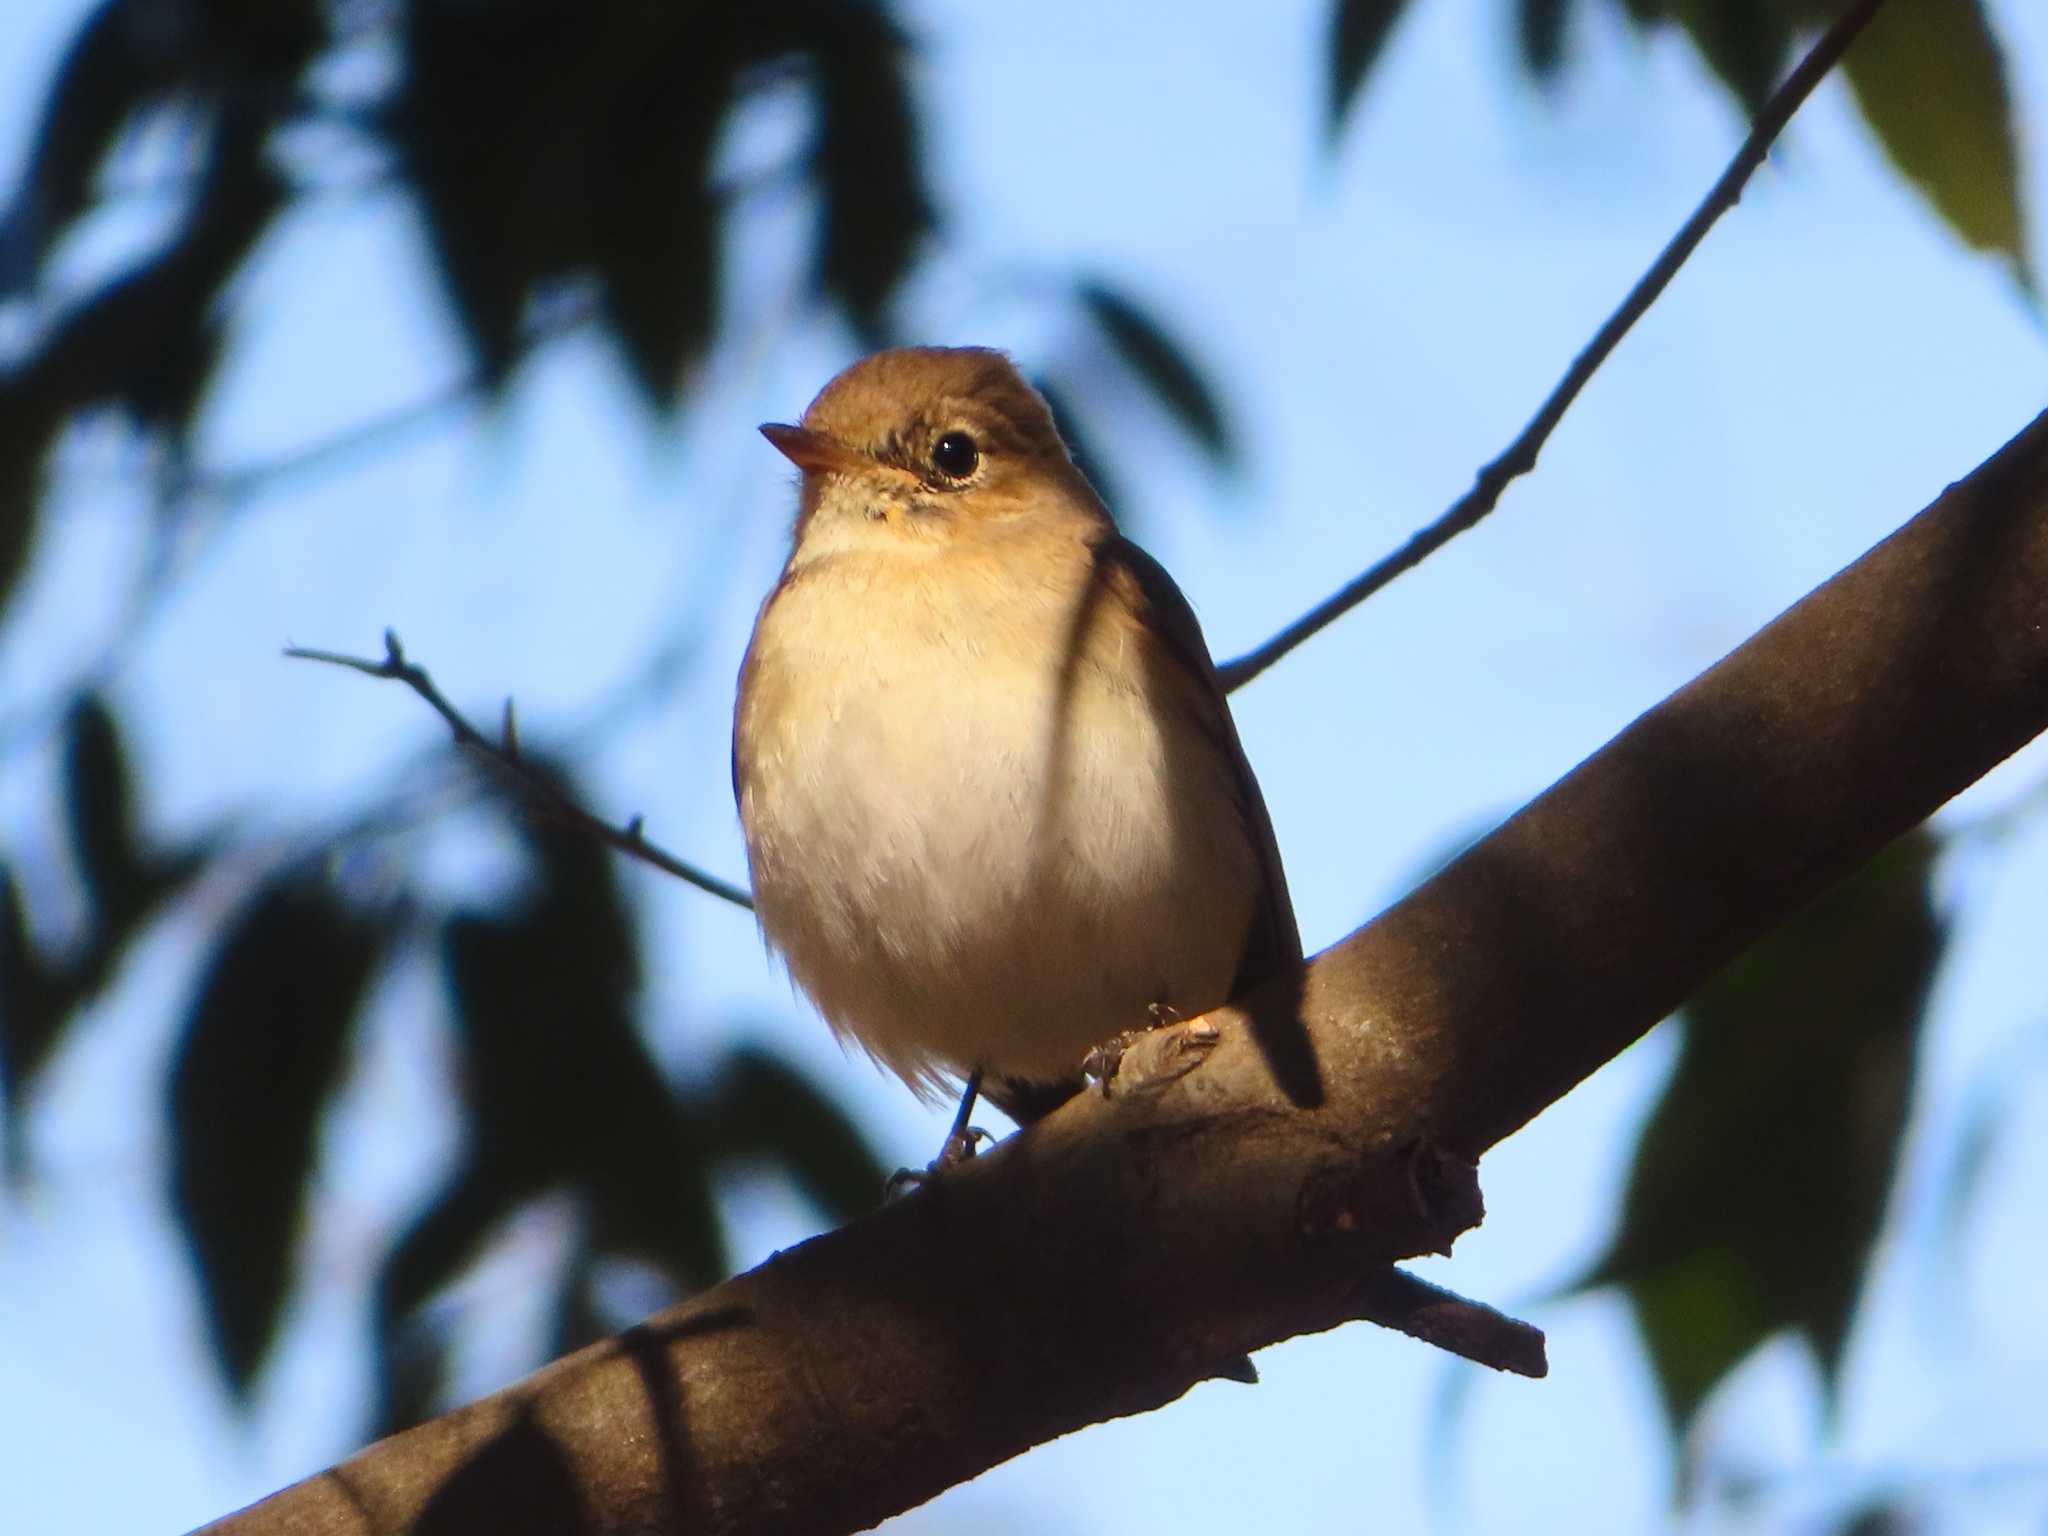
506	754
1520	456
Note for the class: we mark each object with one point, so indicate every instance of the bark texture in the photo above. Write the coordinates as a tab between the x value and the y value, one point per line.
1235	1193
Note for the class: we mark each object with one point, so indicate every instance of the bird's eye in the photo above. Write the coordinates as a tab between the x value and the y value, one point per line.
956	456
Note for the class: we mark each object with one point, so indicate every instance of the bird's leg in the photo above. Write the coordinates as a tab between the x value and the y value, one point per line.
961	1142
962	1139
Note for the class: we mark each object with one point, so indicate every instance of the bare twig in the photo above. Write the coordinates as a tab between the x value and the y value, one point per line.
506	754
1519	457
1394	1298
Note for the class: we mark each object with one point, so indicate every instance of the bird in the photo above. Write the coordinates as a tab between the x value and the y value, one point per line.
995	808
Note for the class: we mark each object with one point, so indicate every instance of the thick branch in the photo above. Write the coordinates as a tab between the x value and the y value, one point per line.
1124	1248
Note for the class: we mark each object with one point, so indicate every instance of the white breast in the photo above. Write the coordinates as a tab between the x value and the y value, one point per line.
968	853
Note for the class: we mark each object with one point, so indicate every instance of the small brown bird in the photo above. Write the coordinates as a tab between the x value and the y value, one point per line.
996	811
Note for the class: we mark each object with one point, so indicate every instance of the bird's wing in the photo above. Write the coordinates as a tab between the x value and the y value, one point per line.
1140	583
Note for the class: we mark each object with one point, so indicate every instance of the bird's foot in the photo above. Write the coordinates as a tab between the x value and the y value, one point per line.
1140	1060
1102	1064
961	1146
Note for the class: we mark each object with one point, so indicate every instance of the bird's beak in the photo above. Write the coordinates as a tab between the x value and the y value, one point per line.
814	452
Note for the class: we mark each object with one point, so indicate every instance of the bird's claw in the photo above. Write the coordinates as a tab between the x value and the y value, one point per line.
1139	1060
1102	1064
960	1147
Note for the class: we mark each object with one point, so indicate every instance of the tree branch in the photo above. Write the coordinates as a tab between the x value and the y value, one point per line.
1130	1245
1519	457
506	756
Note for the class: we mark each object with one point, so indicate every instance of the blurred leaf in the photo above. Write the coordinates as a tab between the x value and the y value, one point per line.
1083	449
411	1349
554	142
1163	365
125	881
257	47
1358	33
654	220
260	1053
561	1096
28	430
127	57
490	124
137	341
102	80
564	1096
1930	78
657	246
1760	1182
876	210
1879	1517
101	814
551	142
33	1012
169	386
761	1107
1748	43
1539	33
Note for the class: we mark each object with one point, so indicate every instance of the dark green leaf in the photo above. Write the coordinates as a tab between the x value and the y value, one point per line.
411	1348
1163	365
98	799
562	1098
762	1108
1880	1517
124	881
655	223
28	429
167	388
1358	32
491	126
260	1053
559	143
1760	1182
1745	42
1930	79
258	47
563	1093
578	901
876	209
34	1008
1540	35
138	340
108	74
657	256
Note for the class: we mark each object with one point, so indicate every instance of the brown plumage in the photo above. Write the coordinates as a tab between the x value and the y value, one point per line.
996	810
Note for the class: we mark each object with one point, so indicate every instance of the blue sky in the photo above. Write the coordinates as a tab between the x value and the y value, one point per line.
1383	320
